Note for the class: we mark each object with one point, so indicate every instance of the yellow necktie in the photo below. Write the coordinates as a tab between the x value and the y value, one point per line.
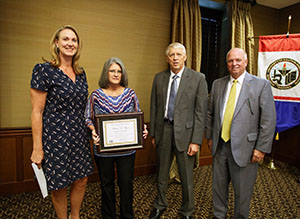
229	113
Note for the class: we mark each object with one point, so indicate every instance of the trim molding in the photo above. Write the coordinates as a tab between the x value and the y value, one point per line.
16	174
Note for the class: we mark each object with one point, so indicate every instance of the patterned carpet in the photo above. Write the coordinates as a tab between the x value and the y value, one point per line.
276	195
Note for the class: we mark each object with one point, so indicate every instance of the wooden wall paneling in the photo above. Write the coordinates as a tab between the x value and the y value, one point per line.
264	23
145	159
205	154
20	158
15	166
270	21
28	173
13	169
8	159
287	148
283	19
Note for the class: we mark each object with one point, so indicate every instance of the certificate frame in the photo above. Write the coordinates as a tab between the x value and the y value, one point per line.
120	131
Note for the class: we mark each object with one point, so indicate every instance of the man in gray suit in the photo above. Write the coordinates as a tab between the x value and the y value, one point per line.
177	122
238	141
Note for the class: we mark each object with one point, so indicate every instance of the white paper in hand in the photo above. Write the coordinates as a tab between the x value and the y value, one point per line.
40	176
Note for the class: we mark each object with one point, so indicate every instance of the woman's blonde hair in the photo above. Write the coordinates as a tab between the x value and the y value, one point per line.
54	51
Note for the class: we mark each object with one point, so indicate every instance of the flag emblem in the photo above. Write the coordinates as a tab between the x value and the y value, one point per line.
283	73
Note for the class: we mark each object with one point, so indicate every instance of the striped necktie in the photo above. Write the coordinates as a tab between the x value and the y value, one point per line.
172	98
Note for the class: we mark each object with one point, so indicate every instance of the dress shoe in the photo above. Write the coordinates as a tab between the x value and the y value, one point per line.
156	213
187	217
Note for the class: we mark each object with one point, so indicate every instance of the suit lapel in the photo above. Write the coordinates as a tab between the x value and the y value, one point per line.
183	82
165	84
244	93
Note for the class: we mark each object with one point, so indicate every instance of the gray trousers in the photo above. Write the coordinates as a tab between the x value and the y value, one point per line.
243	179
165	152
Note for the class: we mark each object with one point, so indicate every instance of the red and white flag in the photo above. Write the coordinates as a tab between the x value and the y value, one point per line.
279	62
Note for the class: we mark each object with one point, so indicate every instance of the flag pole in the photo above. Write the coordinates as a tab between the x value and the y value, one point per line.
271	164
289	25
287	34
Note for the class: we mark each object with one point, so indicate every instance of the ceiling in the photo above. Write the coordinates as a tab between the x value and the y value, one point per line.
278	4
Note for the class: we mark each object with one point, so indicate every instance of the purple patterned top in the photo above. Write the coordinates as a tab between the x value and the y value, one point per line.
100	103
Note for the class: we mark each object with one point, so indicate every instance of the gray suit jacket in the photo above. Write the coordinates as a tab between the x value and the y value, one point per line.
254	119
190	108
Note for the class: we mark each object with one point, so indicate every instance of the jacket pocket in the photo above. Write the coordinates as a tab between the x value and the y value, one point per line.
252	137
189	125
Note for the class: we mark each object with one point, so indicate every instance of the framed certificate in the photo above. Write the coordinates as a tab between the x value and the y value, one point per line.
120	131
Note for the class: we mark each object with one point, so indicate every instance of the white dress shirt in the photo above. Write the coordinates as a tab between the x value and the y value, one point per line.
169	87
239	84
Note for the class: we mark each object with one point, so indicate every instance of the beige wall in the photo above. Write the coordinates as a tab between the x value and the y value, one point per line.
137	31
269	21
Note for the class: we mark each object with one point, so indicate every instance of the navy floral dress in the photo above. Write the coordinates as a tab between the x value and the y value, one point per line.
67	154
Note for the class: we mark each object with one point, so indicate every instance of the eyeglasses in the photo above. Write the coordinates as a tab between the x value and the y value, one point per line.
115	71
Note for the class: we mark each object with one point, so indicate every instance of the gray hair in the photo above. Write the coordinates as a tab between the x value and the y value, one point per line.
245	54
175	46
103	80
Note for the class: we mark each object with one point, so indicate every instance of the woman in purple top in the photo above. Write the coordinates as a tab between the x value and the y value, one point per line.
113	96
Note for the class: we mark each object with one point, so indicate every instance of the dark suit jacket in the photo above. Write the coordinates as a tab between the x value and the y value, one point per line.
190	108
254	118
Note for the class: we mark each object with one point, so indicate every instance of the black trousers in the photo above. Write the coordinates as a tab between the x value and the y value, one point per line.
125	174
